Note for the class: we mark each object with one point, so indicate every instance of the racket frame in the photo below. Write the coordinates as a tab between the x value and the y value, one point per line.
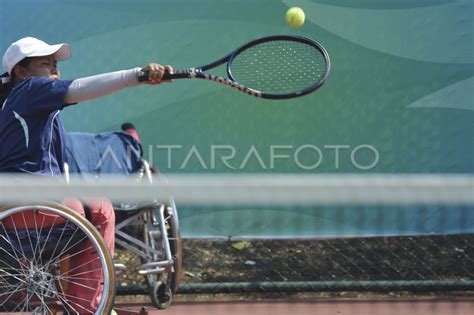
295	38
199	72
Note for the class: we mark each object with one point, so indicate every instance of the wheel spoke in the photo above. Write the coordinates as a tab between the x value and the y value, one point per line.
32	268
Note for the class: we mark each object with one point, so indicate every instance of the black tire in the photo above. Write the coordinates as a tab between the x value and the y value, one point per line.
161	295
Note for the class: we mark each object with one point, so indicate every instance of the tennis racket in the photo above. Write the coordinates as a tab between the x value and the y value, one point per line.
273	67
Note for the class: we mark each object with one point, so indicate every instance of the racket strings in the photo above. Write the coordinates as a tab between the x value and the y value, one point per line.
279	67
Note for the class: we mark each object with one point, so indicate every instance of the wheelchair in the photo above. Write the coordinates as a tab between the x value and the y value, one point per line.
39	240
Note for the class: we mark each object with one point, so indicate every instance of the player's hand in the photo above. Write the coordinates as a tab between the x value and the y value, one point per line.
155	73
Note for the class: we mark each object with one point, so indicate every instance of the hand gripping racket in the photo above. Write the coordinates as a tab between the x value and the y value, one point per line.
274	67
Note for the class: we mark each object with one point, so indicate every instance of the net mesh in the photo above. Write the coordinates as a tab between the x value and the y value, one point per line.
279	67
432	250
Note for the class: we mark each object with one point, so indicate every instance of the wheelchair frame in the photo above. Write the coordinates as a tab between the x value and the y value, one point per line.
158	246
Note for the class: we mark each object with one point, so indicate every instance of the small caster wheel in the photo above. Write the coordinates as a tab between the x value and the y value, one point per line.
161	295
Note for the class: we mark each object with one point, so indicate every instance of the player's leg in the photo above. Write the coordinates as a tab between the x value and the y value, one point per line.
103	218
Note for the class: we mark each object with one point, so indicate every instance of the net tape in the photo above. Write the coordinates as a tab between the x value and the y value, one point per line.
281	189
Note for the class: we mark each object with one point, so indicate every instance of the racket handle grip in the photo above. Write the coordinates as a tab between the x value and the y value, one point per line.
177	74
143	76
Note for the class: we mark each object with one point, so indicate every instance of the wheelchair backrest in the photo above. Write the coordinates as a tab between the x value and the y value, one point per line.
103	153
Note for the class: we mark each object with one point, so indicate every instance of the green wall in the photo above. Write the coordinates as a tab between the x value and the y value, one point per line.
399	98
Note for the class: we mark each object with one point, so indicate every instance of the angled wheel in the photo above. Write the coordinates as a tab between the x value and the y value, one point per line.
41	262
164	284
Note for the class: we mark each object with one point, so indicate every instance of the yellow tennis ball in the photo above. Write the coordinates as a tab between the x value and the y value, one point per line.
295	17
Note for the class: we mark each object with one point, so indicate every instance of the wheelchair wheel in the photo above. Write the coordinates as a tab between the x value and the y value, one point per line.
35	242
162	286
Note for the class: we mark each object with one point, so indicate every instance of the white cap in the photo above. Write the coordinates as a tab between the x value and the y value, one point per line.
33	47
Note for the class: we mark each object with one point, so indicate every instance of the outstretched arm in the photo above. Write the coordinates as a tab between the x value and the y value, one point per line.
104	84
